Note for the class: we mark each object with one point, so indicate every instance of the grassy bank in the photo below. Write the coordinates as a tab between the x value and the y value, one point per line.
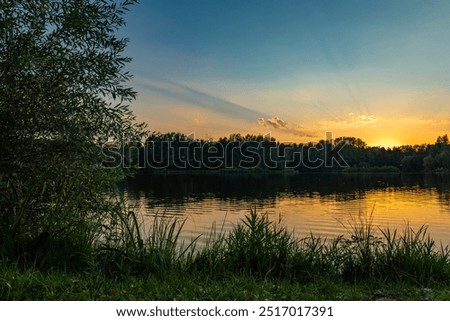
30	284
257	260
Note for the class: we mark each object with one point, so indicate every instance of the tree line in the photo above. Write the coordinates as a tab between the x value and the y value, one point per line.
177	151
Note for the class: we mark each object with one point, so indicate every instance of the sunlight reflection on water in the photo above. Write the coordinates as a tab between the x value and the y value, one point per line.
321	204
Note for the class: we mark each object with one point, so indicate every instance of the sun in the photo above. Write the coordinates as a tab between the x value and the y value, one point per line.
385	142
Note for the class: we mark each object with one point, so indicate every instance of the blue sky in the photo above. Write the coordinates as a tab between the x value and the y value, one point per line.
379	70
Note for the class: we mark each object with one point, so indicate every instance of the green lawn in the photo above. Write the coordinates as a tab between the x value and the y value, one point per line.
34	285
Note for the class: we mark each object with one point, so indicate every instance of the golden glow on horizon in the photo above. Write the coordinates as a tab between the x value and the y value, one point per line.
387	131
385	142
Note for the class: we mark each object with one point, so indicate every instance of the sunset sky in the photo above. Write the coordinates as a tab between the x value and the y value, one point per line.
378	70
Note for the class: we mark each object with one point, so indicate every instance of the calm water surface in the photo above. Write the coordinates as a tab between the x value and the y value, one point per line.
322	204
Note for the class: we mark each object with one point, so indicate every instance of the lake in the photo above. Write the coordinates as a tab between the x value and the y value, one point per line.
322	204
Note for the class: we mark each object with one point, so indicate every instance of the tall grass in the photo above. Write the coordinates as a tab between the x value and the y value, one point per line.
39	227
413	255
131	247
109	238
260	247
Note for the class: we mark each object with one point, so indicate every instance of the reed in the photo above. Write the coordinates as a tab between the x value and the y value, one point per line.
112	241
257	246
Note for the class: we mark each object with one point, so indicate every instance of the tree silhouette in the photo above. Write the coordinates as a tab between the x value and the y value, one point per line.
63	94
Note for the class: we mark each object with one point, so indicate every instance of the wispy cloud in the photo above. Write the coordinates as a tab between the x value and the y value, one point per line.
186	94
438	122
277	122
285	127
352	121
